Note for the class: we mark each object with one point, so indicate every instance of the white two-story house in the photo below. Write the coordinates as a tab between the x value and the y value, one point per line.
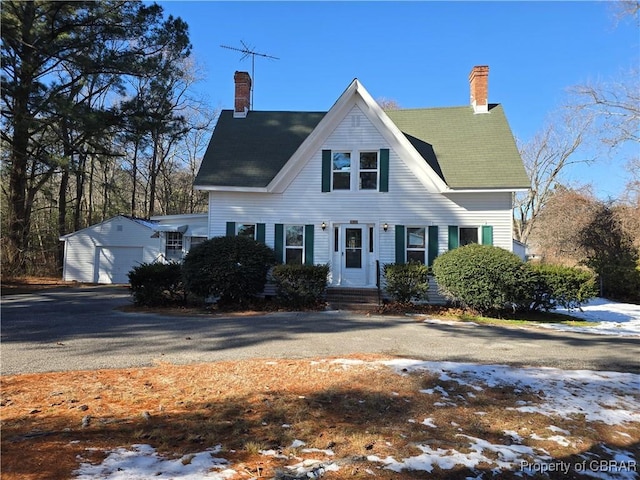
357	187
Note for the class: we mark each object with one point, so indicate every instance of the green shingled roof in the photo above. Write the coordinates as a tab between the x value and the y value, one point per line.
249	152
466	150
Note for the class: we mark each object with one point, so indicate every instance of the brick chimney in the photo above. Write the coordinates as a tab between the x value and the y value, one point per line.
479	84
243	94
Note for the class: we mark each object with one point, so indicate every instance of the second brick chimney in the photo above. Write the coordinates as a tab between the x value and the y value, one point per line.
243	94
479	85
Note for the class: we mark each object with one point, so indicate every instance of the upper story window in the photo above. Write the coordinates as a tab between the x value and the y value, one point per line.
365	171
368	169
357	170
341	170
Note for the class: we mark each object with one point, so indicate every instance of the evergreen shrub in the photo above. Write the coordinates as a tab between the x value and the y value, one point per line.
300	286
483	277
157	284
232	269
407	282
559	286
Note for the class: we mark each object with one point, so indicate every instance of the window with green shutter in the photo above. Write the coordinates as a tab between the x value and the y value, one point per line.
418	244
231	229
294	244
461	236
355	170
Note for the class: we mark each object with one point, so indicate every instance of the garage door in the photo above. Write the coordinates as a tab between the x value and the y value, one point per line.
114	263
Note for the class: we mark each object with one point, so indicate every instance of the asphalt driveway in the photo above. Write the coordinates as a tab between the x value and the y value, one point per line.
82	328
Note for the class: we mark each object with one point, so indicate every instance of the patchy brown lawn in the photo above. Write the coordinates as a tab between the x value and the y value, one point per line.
357	410
19	285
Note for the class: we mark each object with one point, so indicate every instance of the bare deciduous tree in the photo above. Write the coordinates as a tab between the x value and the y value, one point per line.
614	106
388	103
555	234
546	157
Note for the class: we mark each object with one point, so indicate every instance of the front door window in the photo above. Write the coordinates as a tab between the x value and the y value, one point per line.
353	251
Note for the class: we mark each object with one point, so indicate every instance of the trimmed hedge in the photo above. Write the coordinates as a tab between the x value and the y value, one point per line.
407	282
558	286
157	284
483	277
300	286
234	269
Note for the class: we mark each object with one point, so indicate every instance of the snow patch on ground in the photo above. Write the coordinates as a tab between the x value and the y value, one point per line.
594	394
142	462
615	318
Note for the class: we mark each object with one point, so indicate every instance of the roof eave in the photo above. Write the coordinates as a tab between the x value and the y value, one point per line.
229	188
486	190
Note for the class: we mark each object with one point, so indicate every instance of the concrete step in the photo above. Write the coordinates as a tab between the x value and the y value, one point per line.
352	298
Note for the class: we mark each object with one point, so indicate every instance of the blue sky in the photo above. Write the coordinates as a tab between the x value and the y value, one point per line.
416	53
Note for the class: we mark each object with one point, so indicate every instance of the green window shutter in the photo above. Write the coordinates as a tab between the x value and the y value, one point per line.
384	170
433	244
453	237
260	232
231	229
400	244
326	170
487	235
278	243
308	244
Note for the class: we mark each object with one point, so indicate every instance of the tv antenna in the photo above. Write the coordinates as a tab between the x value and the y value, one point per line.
246	51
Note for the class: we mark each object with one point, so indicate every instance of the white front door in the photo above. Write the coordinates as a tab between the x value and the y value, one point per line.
354	254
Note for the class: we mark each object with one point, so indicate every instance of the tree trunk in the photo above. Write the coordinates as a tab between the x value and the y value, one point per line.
80	176
153	174
62	213
134	175
18	222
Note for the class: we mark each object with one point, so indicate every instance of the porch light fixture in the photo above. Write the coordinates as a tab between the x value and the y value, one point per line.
323	226
385	227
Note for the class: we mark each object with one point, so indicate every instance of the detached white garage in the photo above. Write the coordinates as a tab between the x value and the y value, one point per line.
107	251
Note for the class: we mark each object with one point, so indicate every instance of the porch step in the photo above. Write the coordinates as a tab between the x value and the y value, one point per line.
340	298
